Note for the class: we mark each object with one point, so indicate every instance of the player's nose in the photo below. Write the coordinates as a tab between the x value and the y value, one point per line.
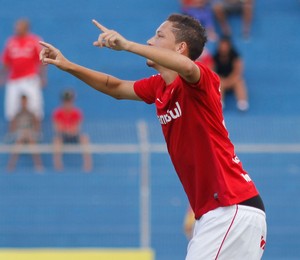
150	41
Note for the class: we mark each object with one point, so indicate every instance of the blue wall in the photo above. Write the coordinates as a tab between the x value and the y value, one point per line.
100	209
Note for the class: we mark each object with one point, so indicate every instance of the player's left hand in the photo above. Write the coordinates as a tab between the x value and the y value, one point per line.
110	38
52	55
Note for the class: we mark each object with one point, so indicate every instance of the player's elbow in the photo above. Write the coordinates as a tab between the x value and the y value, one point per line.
118	95
189	69
124	90
190	72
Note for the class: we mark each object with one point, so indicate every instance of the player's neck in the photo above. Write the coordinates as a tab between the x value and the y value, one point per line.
168	75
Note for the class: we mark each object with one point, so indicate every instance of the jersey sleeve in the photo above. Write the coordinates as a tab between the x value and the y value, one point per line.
146	88
207	78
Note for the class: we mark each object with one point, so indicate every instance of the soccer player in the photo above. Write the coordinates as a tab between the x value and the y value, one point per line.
26	76
229	213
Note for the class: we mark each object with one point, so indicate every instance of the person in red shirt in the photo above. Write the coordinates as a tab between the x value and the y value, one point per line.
23	70
67	120
229	212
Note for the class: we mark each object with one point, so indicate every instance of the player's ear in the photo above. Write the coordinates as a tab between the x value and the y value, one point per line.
181	47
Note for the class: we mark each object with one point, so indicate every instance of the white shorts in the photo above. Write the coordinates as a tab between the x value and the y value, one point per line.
28	86
235	232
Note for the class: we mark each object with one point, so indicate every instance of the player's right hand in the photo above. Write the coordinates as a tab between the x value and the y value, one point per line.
51	55
110	38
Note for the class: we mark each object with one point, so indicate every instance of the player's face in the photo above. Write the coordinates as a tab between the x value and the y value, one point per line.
163	38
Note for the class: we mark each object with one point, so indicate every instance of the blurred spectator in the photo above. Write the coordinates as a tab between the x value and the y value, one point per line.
223	8
229	66
67	120
188	223
23	71
202	11
24	129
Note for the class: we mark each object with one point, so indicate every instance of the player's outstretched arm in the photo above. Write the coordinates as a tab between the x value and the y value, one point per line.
164	57
107	84
172	60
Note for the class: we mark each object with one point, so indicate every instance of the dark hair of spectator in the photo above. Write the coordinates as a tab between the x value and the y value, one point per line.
67	95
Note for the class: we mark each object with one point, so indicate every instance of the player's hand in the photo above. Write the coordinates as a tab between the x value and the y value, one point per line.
110	38
50	55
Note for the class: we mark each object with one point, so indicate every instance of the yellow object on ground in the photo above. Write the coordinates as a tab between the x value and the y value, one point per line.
76	254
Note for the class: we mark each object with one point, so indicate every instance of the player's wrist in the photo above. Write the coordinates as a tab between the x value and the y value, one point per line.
69	66
129	46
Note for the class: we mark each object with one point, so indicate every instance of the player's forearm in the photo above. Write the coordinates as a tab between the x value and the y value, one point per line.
164	57
100	81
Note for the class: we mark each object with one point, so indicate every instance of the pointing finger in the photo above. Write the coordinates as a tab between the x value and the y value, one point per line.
47	45
44	44
100	26
97	44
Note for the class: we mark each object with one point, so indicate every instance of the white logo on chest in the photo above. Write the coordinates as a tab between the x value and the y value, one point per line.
170	115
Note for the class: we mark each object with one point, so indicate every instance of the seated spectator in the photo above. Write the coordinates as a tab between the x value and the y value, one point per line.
24	128
67	121
229	66
202	11
222	8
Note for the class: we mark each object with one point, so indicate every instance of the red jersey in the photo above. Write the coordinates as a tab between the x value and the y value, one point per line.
67	119
21	56
197	140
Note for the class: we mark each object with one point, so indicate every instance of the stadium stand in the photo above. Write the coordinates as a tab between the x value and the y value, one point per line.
101	209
